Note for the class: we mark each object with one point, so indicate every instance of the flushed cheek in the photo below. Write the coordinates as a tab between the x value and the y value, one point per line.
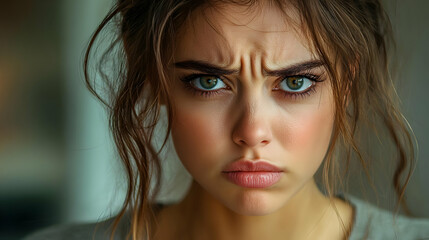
308	137
199	137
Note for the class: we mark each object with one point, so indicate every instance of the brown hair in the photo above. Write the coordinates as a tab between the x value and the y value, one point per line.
351	36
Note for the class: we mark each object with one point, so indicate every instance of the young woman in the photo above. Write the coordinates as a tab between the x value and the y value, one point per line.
259	96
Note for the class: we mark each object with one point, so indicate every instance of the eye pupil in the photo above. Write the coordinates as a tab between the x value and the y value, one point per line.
295	83
208	82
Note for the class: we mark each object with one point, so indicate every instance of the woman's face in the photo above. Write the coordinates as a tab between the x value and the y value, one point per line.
254	112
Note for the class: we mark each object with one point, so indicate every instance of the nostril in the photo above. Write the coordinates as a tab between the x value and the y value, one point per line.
243	142
252	134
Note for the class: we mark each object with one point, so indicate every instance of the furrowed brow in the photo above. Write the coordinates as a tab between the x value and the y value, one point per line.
209	68
205	67
295	68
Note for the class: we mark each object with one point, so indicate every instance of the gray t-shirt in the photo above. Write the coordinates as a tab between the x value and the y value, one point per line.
370	223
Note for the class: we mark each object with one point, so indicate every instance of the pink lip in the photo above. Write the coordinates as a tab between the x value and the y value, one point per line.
252	174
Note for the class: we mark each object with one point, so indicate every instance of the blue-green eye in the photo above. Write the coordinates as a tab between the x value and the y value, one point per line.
207	83
295	84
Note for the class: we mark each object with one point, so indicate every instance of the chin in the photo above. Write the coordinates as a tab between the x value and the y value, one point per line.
253	202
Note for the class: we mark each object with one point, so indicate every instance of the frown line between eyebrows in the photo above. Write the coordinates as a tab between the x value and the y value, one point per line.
209	68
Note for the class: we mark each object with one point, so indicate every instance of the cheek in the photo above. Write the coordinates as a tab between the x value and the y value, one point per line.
308	135
198	136
313	130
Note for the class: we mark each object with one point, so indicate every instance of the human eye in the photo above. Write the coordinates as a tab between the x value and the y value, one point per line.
297	86
205	85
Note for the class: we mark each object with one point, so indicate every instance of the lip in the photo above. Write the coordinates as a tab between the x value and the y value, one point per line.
252	174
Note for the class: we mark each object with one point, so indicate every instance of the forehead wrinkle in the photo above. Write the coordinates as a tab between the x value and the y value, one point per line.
284	54
256	65
260	37
254	47
251	70
198	26
221	54
258	12
224	53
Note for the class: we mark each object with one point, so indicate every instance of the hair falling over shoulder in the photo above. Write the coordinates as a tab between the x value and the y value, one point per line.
353	38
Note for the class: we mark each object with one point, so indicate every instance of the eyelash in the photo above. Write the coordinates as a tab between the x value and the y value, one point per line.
306	93
291	95
187	81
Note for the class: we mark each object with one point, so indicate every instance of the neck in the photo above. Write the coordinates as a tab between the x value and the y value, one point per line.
200	216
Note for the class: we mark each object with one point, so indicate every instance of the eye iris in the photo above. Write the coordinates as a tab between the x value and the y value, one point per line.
295	83
208	82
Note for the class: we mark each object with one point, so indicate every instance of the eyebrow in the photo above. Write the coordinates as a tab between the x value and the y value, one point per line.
205	67
209	68
295	69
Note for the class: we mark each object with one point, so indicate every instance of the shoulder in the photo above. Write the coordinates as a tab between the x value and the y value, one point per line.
371	222
96	231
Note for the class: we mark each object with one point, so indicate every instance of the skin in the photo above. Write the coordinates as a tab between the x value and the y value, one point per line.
250	118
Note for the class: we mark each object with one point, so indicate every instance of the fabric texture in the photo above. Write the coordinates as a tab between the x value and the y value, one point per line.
370	223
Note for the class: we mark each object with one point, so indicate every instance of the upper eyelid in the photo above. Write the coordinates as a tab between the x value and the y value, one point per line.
190	77
228	82
288	94
313	82
315	78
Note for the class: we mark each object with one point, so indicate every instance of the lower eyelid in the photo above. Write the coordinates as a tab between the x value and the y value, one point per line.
198	92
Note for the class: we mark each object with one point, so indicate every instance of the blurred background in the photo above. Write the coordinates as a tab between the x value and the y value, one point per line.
57	162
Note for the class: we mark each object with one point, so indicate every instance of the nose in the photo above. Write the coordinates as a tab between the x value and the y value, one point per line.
252	128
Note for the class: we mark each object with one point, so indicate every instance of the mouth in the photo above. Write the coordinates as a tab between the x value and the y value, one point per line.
252	174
